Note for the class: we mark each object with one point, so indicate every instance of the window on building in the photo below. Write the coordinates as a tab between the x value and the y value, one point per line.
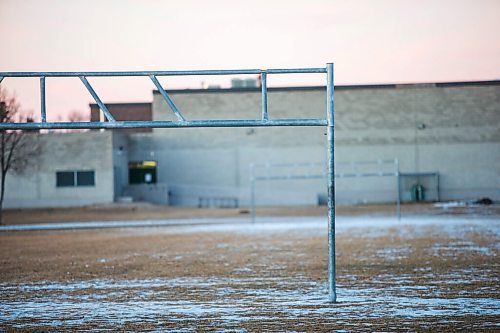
75	178
143	172
85	178
65	178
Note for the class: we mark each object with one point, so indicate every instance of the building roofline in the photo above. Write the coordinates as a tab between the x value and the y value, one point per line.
340	87
122	105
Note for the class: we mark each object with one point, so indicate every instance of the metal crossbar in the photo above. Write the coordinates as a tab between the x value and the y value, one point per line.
153	75
181	122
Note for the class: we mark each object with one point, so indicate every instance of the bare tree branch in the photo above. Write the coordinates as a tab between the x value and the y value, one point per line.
17	148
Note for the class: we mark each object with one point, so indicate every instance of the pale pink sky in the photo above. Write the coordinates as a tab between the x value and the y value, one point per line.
370	42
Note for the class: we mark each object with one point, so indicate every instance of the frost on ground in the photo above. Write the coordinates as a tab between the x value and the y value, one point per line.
418	274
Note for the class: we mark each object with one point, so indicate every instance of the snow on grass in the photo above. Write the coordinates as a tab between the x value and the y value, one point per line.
422	294
232	300
278	224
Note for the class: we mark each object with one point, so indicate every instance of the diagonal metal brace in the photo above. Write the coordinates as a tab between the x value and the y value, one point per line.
167	98
103	107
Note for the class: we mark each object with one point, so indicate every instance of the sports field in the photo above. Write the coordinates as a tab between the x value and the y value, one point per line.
436	269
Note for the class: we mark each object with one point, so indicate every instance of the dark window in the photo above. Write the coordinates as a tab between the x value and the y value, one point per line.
85	178
75	178
65	178
143	172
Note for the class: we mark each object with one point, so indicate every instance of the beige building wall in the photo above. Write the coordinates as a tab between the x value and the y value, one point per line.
87	151
451	129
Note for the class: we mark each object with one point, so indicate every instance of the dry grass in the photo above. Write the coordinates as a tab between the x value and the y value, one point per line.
252	280
143	211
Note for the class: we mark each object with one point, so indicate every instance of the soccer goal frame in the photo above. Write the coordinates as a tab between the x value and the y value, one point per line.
312	173
182	122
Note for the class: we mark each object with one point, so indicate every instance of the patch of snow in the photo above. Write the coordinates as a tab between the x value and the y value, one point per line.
450	204
451	249
230	300
371	225
394	253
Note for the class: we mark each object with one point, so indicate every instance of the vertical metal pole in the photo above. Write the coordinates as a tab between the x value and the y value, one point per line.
42	99
437	186
263	77
398	198
253	201
252	192
330	114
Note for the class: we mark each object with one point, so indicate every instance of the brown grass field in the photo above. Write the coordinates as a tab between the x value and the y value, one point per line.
435	270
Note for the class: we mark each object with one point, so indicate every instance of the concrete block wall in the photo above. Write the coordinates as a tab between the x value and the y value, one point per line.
406	114
453	130
120	156
154	193
64	152
213	195
224	172
467	171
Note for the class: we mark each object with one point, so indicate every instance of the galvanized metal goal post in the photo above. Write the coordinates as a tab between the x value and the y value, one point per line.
330	114
181	122
111	123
